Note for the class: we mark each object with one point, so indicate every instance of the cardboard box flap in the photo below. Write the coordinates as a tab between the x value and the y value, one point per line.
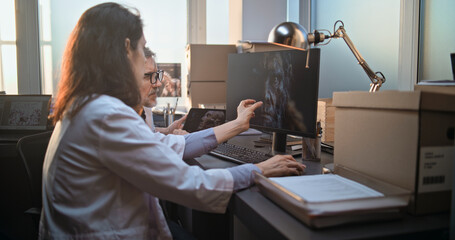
208	62
400	100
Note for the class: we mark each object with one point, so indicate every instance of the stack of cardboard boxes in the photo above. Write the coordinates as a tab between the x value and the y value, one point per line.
207	74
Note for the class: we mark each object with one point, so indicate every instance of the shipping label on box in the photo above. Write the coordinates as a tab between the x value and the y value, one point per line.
436	164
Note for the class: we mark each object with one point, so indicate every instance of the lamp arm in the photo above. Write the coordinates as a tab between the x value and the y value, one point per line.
377	78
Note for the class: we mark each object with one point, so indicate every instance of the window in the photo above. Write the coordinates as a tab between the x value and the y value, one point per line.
8	58
217	21
165	29
166	33
47	84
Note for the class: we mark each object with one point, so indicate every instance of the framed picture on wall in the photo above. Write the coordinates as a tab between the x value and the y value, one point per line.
172	80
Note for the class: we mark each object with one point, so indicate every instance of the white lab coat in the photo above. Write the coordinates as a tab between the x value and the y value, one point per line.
102	168
149	118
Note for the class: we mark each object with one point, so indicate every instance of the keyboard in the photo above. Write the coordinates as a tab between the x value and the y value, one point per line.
239	154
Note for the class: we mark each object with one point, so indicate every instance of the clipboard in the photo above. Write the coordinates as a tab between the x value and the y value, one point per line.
338	212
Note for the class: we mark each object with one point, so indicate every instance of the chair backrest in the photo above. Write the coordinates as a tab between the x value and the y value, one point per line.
32	149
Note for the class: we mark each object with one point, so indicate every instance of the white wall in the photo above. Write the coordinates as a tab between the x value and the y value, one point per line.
260	16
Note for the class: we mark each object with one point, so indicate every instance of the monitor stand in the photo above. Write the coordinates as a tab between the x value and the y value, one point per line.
279	143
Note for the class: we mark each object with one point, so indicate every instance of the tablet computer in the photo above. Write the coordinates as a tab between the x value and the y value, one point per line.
203	118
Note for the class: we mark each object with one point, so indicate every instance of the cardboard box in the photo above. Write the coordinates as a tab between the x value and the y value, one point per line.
207	74
208	62
435	88
209	94
403	138
326	115
251	47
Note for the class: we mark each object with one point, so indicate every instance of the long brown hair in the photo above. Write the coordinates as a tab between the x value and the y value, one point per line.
95	61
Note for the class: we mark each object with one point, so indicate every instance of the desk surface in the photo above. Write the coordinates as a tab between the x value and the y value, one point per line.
268	221
208	161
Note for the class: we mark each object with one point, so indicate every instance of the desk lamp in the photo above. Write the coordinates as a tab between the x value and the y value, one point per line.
294	35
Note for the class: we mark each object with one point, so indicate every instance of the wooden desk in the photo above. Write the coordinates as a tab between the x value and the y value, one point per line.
254	216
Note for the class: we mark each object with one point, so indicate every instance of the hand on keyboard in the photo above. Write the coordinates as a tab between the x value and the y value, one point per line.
281	165
271	166
239	154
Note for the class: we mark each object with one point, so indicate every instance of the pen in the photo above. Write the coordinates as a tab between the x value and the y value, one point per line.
173	111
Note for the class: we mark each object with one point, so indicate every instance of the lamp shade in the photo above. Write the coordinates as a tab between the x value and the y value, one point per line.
290	34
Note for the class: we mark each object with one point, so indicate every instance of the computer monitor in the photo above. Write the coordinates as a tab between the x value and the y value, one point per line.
288	89
24	112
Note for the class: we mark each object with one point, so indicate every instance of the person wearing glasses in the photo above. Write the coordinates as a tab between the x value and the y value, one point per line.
193	146
155	76
104	168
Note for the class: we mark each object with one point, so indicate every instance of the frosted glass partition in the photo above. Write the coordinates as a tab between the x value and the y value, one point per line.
260	16
373	27
437	39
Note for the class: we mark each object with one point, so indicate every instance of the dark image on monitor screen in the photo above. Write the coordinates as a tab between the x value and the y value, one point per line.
203	118
279	79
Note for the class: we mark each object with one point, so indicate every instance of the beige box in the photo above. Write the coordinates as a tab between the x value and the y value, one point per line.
251	47
209	94
208	62
326	116
403	138
436	88
207	74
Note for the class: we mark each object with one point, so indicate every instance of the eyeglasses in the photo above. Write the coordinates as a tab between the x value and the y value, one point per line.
158	76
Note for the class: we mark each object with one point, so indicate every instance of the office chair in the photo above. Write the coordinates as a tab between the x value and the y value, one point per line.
31	150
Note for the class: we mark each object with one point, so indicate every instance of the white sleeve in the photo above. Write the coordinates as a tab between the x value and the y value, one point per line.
128	148
177	143
149	118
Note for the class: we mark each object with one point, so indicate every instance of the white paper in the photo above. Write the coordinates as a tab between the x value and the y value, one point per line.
326	188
